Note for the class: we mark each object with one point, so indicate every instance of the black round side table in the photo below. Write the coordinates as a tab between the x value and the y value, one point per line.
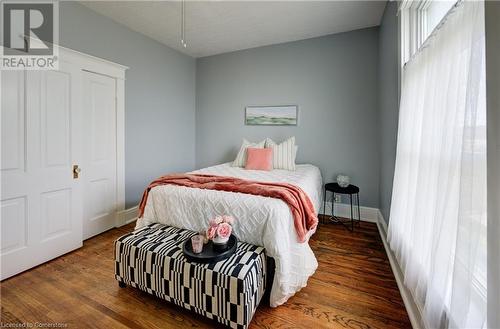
337	189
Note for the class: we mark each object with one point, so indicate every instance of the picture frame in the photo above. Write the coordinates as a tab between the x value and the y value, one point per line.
276	115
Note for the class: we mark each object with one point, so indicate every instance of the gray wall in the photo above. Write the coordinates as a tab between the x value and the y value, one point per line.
388	103
160	94
179	109
333	80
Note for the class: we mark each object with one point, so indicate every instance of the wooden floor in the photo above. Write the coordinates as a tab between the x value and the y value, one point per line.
352	288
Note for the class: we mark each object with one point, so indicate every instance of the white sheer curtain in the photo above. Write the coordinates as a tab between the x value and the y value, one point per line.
437	227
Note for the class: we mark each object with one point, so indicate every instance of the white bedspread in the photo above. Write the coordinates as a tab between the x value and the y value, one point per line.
262	221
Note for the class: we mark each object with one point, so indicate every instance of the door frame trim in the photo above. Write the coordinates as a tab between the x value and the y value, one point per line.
117	71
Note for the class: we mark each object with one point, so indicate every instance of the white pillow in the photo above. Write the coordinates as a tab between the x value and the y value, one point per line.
283	154
241	158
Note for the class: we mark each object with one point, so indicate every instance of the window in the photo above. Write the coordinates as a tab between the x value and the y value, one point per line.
440	241
417	21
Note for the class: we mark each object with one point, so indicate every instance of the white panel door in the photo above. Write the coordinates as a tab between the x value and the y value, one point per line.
41	203
99	170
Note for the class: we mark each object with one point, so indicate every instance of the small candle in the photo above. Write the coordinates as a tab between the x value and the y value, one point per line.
197	242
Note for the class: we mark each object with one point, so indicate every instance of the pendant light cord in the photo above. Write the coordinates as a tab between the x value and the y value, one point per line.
183	23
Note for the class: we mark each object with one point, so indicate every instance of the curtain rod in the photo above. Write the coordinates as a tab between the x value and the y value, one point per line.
441	23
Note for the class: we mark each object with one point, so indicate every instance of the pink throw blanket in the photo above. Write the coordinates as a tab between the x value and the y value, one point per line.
305	218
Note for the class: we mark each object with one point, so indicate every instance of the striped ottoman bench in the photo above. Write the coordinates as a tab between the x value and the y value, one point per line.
228	291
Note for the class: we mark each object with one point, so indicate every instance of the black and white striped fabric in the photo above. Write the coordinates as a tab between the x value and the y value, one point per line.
228	291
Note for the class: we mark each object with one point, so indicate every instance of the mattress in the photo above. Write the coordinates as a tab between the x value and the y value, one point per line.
261	221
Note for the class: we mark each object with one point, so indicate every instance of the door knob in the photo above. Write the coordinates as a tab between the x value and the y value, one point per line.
76	171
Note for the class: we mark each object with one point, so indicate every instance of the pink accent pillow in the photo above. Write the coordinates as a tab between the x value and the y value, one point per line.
259	159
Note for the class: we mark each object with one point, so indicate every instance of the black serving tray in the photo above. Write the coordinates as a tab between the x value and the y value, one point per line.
209	254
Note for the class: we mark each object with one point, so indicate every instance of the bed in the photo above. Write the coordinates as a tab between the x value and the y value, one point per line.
262	221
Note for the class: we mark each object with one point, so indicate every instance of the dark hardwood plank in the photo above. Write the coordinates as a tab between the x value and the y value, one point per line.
353	288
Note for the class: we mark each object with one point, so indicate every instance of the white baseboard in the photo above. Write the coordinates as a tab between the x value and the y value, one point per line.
127	216
368	214
411	308
382	224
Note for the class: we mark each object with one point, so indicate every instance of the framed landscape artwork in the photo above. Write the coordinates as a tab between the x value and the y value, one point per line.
283	115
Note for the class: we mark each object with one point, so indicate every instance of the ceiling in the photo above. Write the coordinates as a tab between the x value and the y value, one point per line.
214	27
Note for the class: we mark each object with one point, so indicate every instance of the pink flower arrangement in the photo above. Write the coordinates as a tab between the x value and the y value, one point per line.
224	230
211	232
216	221
220	226
228	219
